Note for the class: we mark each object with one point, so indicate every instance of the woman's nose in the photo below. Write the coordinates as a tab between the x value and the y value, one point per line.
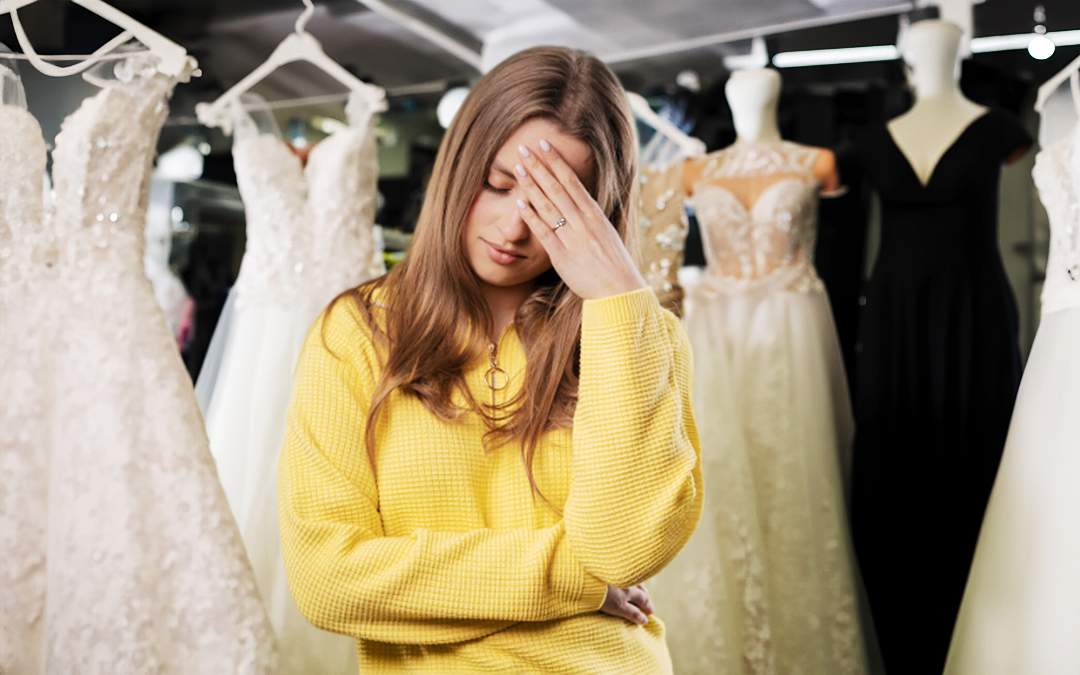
513	227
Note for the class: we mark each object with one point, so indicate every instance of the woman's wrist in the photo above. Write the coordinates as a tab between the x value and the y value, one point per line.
627	283
620	308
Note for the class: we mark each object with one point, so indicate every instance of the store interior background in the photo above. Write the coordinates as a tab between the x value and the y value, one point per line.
677	53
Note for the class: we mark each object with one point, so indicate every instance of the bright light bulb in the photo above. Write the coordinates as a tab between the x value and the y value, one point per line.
449	104
1041	47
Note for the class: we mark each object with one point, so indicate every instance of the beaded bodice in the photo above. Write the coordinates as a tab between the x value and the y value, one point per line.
91	226
757	207
310	229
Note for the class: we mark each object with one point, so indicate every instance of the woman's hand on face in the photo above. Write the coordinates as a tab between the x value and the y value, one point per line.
632	604
584	247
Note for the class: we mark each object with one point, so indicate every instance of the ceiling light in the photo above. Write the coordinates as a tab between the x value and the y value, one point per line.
1041	47
823	57
979	45
449	104
999	43
180	164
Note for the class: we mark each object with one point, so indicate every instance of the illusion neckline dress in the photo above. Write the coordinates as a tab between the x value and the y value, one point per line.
1021	608
767	583
141	568
938	366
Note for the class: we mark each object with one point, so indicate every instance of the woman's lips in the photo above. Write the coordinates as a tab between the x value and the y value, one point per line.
501	256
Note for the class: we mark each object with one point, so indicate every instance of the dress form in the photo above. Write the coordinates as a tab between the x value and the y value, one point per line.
941	112
767	583
754	98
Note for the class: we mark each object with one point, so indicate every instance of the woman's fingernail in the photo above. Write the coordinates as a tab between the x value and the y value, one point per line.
523	151
521	204
520	169
545	146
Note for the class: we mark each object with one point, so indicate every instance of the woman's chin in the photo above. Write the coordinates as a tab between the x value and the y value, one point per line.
503	278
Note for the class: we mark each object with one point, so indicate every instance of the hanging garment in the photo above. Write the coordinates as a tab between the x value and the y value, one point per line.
1021	609
664	225
937	376
310	236
767	582
27	266
145	570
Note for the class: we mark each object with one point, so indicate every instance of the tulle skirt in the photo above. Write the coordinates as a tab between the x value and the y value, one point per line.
244	390
767	583
24	475
146	571
1021	607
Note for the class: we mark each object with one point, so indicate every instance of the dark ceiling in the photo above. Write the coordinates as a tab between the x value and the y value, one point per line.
231	37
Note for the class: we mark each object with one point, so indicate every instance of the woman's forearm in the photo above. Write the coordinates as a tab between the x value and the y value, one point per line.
636	489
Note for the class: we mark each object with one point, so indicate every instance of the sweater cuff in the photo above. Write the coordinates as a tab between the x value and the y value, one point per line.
584	592
594	593
624	308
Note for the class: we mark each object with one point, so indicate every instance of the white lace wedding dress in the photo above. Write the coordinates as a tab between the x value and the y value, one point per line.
1021	607
24	272
767	583
131	562
310	236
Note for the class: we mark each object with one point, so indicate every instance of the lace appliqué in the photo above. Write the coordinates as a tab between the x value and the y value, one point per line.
1057	174
769	243
126	559
664	227
310	230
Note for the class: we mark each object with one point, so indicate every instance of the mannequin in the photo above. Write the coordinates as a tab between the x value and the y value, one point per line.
754	98
939	360
941	112
777	432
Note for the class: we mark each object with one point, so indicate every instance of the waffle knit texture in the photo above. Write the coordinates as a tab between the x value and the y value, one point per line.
449	562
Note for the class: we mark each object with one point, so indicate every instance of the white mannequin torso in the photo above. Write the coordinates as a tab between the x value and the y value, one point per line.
941	114
754	98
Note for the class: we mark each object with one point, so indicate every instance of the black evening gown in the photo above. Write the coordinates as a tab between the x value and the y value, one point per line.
938	366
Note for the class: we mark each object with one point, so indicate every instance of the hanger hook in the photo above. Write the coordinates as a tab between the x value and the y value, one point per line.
305	16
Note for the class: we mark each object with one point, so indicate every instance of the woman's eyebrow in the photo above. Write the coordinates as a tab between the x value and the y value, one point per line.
501	169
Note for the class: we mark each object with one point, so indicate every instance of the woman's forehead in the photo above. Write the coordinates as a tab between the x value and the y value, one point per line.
573	150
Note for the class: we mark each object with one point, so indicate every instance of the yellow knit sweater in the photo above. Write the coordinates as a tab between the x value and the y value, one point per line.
449	563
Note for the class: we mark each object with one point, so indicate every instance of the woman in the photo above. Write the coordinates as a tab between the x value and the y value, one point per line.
495	441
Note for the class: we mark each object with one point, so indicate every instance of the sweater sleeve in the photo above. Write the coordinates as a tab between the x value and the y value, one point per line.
636	490
428	587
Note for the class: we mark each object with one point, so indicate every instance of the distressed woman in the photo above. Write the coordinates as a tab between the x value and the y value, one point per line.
492	447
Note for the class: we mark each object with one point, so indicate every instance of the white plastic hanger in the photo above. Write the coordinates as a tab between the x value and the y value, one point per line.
172	59
691	146
300	46
1054	82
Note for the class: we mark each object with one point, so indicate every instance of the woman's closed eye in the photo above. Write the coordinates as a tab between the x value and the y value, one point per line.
498	188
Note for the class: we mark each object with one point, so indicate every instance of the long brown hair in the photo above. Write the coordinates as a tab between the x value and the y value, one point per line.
432	320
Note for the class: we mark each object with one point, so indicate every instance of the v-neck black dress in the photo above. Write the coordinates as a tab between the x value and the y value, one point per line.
937	369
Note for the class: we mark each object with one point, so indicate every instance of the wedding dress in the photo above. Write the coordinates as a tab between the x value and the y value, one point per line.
25	269
663	227
310	236
767	583
143	570
1021	607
